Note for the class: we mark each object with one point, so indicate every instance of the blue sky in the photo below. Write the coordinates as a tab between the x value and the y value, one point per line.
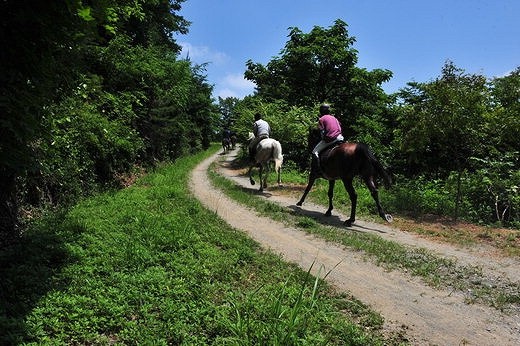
411	38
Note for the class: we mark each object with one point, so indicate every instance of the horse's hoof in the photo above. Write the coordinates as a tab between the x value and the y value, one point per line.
328	213
389	218
348	223
299	204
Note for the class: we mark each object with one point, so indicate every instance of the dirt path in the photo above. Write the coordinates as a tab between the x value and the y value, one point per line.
429	316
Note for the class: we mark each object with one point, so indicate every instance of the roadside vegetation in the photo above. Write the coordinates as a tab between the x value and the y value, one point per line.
149	265
434	270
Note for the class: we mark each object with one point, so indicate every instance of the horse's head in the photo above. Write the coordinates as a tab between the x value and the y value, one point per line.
313	138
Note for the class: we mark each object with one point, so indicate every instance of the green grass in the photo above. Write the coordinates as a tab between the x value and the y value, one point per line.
434	270
150	265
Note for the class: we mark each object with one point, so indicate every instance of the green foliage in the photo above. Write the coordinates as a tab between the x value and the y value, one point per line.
320	66
421	196
174	111
503	123
490	195
458	128
40	43
311	66
289	125
494	191
90	90
84	148
227	112
441	124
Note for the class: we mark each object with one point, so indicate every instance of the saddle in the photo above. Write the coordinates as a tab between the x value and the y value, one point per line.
253	150
324	154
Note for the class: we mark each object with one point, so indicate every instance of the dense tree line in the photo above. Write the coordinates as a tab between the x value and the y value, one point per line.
454	139
89	90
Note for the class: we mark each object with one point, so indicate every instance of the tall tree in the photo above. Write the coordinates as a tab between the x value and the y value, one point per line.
38	38
441	124
320	66
227	111
441	121
505	119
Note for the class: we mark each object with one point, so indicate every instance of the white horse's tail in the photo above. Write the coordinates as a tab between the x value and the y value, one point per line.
278	159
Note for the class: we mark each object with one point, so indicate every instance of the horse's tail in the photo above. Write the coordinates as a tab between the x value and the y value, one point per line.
278	158
380	170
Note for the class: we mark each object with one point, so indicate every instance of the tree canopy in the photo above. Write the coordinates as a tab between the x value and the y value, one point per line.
90	89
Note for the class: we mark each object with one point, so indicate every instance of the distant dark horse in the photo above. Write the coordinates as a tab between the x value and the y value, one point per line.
226	144
346	161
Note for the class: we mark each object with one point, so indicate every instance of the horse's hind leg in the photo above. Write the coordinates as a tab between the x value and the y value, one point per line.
369	182
266	174
330	194
251	180
353	201
262	182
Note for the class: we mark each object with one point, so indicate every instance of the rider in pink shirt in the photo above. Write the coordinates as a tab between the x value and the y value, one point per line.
330	129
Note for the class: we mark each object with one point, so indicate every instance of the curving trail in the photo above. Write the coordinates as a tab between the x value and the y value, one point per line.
428	316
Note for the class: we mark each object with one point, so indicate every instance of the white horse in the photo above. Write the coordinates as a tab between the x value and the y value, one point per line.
266	151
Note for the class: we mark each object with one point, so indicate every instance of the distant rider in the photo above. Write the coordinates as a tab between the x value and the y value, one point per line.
261	130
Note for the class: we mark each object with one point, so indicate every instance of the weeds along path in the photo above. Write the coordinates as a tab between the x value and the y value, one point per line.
427	316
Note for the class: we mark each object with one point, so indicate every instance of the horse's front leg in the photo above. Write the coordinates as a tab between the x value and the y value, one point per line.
353	201
331	195
312	179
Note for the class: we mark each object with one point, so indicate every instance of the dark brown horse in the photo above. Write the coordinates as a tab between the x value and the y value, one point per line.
346	161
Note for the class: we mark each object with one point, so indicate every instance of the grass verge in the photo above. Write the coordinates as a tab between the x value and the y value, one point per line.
150	265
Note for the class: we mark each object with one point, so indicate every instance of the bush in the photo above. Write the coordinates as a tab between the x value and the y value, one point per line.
493	195
82	149
420	196
486	197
